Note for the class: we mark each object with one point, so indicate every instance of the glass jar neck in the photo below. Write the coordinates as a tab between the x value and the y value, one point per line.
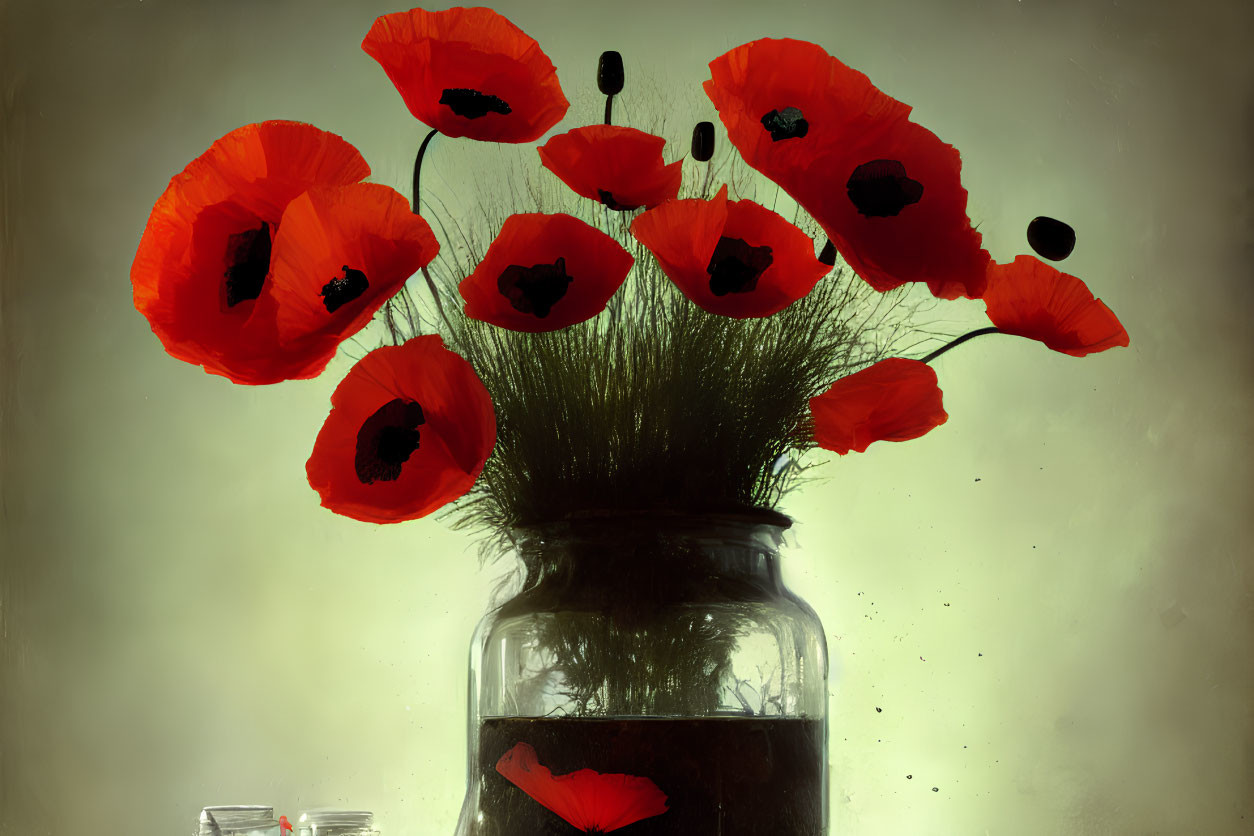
652	558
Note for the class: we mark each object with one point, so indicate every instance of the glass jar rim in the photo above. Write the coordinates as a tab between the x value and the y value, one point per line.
736	517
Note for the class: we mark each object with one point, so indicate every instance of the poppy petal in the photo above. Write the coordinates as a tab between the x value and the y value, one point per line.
894	400
339	255
545	272
1029	298
618	166
783	99
469	72
887	191
409	431
735	259
204	258
587	800
896	210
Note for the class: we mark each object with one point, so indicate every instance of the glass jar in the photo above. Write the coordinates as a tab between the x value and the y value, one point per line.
336	823
240	820
663	646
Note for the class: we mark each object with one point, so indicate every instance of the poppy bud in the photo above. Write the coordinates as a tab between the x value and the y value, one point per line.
1050	238
610	73
828	256
703	141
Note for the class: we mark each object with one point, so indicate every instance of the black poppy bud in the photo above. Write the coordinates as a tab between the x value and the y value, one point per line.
828	256
1051	238
703	141
610	73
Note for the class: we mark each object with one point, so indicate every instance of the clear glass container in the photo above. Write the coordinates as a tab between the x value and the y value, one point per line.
657	645
336	823
239	820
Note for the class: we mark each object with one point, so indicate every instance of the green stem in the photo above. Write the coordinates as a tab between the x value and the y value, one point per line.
992	329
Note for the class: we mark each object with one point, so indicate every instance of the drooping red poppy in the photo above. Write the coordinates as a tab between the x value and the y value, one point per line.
545	272
409	431
587	800
735	259
894	400
782	100
887	191
204	258
1029	298
340	253
469	72
620	167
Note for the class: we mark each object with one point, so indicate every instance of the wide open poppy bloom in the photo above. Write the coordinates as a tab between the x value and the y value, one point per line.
735	259
894	400
1029	298
545	272
587	800
341	253
887	191
205	256
782	100
409	431
620	167
469	72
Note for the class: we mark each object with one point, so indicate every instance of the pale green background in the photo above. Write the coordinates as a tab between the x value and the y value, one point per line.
183	625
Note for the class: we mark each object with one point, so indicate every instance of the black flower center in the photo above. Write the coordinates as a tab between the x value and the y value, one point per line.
386	440
736	266
472	104
785	124
608	199
534	289
881	189
342	290
247	262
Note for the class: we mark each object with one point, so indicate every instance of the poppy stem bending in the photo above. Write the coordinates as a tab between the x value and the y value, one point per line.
992	329
422	149
609	107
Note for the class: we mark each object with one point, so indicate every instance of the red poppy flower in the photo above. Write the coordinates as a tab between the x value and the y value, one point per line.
894	400
340	253
545	272
1031	299
587	800
735	259
887	191
782	100
620	167
409	431
469	72
205	255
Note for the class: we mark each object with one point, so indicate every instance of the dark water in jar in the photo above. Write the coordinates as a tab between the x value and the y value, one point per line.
724	776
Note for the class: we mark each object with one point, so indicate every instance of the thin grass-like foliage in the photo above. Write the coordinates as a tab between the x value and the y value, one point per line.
654	403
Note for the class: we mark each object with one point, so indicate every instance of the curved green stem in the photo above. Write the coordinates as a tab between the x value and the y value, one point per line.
992	329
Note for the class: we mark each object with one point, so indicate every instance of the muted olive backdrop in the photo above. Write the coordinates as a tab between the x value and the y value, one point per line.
1050	597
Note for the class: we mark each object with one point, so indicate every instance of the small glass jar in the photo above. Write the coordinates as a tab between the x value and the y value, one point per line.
336	823
663	646
239	820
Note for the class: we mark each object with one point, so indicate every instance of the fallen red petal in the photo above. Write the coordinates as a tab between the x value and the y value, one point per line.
587	800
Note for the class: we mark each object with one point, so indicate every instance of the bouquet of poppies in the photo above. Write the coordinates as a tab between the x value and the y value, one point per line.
641	349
